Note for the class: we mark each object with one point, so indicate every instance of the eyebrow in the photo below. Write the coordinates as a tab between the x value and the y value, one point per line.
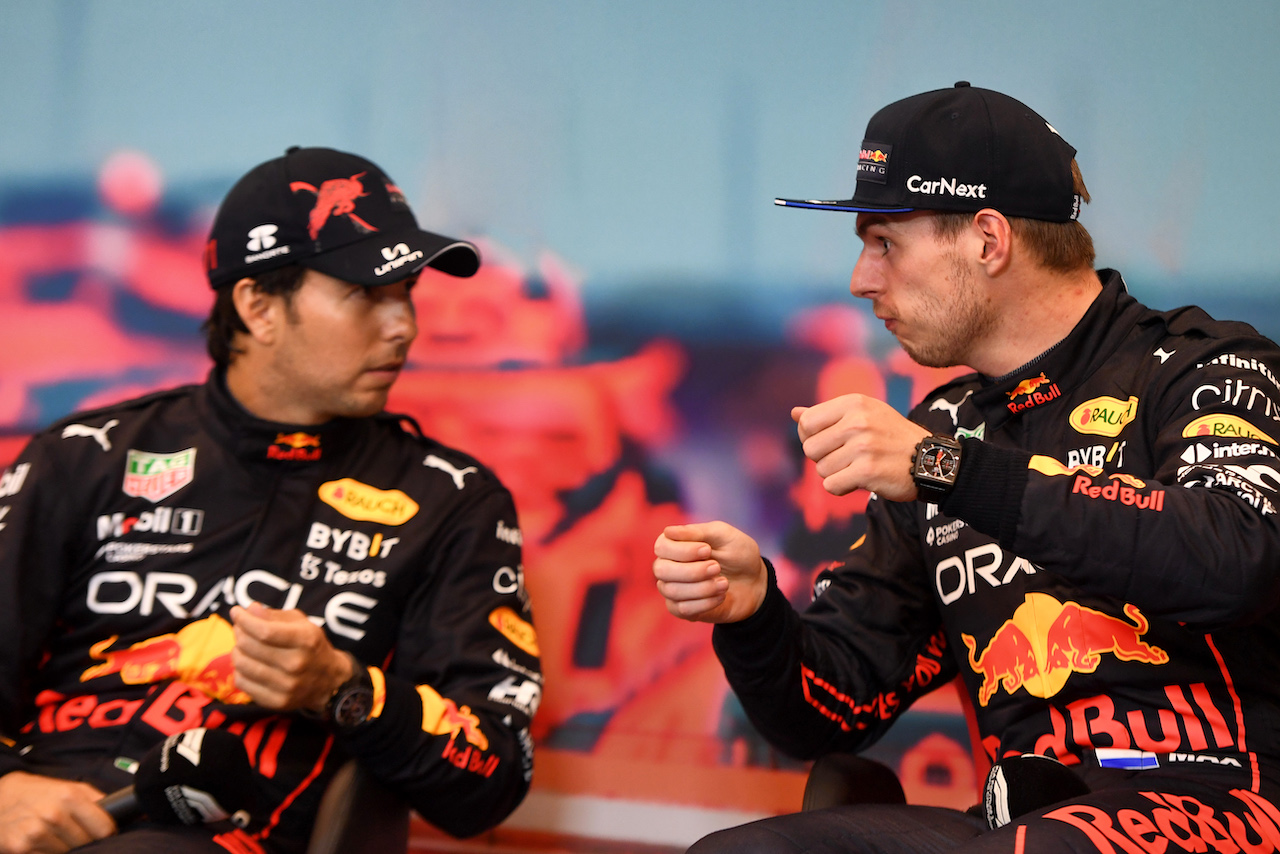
870	220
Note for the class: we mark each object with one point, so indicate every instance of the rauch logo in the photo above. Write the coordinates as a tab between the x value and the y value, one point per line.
1224	427
365	503
1104	416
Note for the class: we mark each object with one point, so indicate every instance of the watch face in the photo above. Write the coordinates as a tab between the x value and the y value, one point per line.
938	462
352	707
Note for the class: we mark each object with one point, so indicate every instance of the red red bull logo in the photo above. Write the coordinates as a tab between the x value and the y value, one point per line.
1022	654
335	197
441	716
295	446
198	654
1028	386
875	155
1033	396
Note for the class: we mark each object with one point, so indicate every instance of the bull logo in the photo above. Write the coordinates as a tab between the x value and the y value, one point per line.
336	197
1028	386
1022	655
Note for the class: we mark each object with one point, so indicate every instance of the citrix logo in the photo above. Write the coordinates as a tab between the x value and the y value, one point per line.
261	237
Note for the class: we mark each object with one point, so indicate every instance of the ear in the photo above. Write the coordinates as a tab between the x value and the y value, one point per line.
261	313
997	240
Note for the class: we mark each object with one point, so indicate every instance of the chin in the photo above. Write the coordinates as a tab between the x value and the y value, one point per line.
363	407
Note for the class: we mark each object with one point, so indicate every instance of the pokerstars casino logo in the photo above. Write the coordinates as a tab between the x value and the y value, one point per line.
1104	416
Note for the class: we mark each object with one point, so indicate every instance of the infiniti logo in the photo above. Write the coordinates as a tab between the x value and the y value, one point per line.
261	237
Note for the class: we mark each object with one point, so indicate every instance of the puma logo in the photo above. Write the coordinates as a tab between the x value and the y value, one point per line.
457	474
953	408
98	434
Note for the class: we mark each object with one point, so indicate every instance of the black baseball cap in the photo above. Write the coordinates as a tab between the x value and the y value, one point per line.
961	149
329	211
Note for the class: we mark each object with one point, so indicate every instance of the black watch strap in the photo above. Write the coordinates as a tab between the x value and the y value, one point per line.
350	705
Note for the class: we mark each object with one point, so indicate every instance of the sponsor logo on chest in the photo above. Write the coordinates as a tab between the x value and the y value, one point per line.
157	476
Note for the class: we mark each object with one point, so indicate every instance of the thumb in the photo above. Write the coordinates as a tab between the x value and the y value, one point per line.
797	412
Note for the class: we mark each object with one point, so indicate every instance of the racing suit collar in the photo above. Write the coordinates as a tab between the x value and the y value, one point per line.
1053	375
271	442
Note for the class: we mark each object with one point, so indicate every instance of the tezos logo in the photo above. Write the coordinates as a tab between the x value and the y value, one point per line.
261	237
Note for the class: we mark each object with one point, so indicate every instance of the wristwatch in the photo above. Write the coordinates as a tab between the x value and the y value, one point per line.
935	466
351	703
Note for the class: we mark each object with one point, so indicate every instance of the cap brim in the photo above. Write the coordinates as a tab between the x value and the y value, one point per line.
382	258
846	205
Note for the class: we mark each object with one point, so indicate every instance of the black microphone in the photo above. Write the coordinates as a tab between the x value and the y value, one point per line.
1018	785
191	777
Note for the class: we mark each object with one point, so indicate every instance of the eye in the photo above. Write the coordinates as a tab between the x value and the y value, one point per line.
884	243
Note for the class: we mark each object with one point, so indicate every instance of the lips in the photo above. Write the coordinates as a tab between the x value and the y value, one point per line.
387	369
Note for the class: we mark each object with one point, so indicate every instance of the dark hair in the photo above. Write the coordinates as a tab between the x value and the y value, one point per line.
1063	247
224	321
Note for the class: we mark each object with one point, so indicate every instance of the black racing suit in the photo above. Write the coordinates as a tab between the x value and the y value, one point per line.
127	534
1105	575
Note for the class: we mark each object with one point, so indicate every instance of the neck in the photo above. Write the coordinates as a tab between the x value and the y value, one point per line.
254	388
1036	313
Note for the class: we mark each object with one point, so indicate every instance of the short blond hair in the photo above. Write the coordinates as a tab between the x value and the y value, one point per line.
1064	247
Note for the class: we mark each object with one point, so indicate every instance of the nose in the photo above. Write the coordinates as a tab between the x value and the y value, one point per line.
399	318
862	281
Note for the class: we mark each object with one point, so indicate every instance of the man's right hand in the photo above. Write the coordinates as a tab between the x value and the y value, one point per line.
47	814
710	572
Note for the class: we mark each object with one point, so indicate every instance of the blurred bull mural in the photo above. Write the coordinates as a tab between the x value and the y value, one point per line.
603	440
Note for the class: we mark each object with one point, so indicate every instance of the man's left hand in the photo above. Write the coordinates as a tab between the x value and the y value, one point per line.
284	661
859	442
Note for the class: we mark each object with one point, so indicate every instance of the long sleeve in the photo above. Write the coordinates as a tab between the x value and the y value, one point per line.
1186	525
836	676
453	708
33	501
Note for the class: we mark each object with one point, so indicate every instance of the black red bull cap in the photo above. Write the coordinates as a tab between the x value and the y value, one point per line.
329	211
961	149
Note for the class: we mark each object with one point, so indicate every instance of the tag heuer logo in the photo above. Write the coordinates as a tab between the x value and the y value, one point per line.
156	476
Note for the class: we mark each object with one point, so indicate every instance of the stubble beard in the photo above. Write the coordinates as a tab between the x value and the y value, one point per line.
956	322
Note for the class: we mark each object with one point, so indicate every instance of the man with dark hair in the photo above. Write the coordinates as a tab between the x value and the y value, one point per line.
269	553
1084	530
